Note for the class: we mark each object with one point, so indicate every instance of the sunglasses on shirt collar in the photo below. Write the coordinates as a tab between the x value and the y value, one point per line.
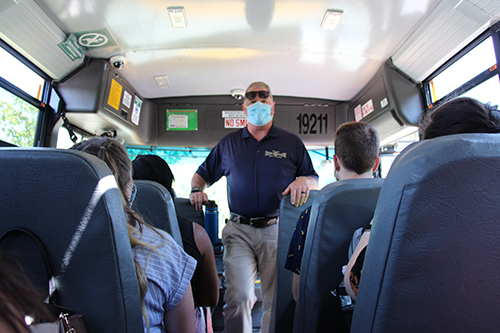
262	94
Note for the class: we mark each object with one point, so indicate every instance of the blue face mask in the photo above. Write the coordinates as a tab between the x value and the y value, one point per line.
259	114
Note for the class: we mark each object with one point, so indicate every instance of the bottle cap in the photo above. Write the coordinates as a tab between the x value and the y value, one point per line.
211	204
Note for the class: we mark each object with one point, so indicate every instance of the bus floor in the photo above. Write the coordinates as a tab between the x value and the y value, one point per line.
218	317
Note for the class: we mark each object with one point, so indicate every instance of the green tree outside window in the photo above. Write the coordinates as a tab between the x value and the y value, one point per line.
18	120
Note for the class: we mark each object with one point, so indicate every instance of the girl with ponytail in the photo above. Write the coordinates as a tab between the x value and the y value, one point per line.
163	269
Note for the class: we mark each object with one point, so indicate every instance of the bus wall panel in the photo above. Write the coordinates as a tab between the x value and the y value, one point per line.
313	120
391	101
99	100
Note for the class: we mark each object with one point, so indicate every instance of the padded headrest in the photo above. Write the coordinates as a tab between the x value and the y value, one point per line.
432	263
155	204
69	199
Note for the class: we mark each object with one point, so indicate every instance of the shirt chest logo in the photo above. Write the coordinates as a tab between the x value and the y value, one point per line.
275	154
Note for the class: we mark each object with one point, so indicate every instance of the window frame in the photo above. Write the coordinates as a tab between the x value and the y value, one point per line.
44	116
482	77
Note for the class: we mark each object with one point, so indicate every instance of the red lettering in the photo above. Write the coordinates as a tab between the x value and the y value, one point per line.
235	122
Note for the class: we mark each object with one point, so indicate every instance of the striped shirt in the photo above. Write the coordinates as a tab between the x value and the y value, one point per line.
168	270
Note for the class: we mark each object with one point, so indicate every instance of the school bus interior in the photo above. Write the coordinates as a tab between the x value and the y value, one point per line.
168	78
374	60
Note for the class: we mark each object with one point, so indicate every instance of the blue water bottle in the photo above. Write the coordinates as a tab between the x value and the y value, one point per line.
212	221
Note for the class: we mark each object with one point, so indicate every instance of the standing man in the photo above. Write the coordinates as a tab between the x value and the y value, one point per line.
262	163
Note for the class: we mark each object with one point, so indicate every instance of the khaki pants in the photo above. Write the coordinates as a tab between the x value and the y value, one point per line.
248	250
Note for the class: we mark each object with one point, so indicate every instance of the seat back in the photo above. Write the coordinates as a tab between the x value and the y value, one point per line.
156	206
6	144
432	263
338	210
70	201
283	303
186	210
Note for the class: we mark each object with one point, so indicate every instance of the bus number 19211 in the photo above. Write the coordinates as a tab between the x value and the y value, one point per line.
312	123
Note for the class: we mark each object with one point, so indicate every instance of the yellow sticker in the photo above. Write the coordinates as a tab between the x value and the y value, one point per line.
115	94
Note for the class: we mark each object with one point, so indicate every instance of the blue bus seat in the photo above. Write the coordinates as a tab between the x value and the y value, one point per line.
6	144
284	304
338	210
186	210
69	199
432	263
156	206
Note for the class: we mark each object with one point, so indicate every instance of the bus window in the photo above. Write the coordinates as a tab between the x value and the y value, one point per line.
185	161
323	165
385	163
390	152
18	120
18	74
470	65
64	140
472	74
326	172
489	91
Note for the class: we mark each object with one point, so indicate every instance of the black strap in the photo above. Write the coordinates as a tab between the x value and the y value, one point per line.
52	303
41	250
67	125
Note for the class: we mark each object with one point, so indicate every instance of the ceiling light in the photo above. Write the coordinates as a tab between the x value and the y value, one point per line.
162	81
331	19
177	16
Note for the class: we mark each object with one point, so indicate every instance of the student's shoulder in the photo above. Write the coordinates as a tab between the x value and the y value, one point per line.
156	237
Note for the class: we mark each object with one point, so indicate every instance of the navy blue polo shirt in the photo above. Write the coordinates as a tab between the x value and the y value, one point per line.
257	172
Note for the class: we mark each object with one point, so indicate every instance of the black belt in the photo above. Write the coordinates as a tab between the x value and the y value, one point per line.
256	222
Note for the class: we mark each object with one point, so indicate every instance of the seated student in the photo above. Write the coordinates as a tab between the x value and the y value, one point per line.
356	156
205	281
456	116
163	269
460	115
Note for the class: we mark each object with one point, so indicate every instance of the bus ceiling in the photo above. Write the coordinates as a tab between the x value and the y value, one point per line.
368	68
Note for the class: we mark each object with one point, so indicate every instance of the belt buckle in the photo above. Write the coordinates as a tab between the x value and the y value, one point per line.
259	222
